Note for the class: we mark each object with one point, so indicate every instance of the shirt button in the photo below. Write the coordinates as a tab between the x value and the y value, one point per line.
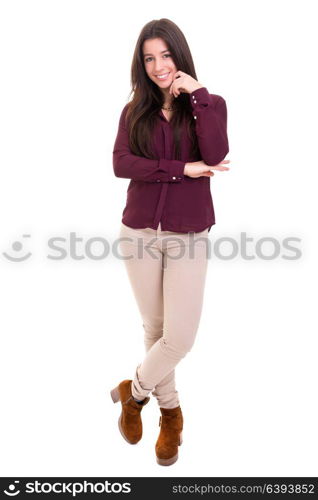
158	180
195	102
193	97
195	117
173	178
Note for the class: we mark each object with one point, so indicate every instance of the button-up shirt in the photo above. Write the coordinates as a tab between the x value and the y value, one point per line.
159	191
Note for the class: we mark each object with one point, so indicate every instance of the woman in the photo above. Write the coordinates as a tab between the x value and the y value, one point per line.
171	137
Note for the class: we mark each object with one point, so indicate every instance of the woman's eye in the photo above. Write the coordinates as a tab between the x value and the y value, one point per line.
149	58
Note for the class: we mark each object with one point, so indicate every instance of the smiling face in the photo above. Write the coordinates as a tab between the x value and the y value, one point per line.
158	61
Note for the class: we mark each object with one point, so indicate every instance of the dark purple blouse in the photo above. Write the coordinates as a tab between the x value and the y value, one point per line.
158	190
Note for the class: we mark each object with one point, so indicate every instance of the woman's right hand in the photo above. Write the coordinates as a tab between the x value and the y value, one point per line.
200	168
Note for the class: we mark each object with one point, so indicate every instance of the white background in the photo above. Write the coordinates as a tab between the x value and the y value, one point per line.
70	329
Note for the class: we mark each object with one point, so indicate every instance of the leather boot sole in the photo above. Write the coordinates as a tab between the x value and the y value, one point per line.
172	460
122	432
115	395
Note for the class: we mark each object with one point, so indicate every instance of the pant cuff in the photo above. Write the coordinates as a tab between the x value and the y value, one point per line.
137	390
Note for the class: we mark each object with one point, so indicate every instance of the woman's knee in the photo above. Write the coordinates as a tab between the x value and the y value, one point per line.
175	350
153	329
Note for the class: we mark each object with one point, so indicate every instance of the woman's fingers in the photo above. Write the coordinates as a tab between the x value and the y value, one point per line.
218	168
222	162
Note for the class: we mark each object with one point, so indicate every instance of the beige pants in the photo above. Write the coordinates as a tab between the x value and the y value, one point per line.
167	272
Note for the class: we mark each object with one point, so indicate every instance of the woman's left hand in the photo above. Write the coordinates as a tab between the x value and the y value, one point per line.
182	82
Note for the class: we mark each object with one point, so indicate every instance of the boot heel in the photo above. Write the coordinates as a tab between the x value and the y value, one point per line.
180	438
115	395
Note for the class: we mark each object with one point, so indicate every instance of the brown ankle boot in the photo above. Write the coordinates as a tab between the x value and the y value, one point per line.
170	436
129	422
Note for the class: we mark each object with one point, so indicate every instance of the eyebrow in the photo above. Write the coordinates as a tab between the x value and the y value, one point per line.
167	50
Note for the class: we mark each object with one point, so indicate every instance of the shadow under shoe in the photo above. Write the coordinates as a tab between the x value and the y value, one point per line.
170	437
129	422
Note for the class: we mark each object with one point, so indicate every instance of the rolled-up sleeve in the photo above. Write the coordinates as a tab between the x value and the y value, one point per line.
210	114
139	168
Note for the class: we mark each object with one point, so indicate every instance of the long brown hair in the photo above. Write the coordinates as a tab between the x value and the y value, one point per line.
148	99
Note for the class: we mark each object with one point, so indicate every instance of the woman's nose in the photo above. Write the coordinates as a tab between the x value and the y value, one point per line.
158	66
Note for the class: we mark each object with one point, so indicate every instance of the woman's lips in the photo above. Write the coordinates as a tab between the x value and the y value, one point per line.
164	76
